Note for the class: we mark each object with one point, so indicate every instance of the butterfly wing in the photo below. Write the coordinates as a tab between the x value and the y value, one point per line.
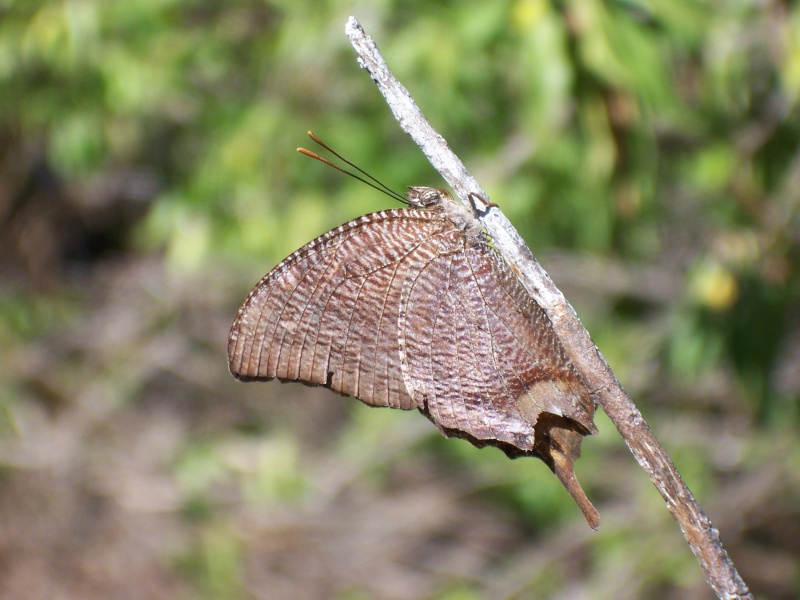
478	351
412	309
328	314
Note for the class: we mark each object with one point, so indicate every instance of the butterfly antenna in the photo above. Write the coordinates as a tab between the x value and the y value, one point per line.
371	181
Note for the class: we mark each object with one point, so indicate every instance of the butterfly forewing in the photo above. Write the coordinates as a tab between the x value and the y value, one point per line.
328	314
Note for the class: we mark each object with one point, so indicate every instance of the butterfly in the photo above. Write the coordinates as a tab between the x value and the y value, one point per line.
413	308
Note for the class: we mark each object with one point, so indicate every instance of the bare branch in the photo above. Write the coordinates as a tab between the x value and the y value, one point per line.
701	536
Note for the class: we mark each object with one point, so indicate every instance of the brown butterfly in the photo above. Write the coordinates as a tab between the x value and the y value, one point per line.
413	308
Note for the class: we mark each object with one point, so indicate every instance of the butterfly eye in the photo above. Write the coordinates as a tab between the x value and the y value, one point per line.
425	197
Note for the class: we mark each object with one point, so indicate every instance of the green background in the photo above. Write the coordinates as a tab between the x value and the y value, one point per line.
649	152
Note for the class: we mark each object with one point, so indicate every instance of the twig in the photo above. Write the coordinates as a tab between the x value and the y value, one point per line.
703	539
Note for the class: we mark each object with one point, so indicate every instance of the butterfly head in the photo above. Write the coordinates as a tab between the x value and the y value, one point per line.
427	197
